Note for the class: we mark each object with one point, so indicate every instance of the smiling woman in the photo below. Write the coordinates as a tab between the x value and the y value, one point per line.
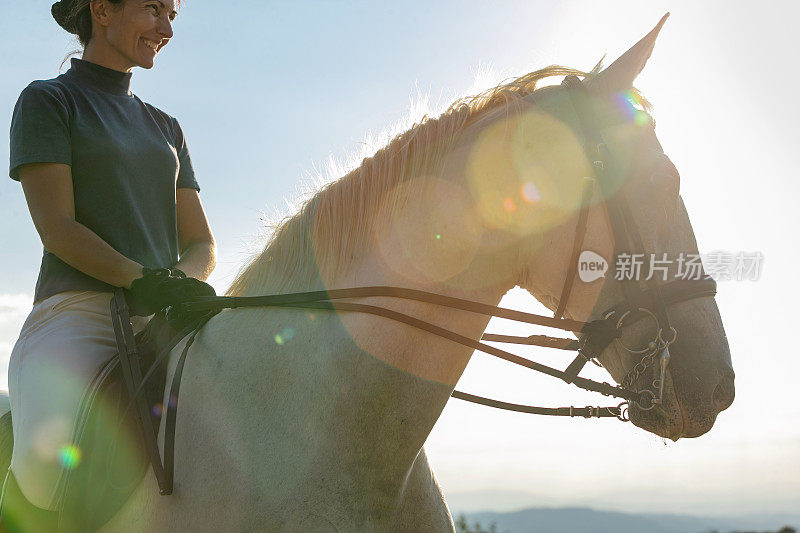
111	190
133	30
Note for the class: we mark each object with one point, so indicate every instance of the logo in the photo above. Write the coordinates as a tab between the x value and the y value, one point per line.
591	266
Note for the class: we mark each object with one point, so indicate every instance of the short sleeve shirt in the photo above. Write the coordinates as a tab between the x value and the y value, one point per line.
127	159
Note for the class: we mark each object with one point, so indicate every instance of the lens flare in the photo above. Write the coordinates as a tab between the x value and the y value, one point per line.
284	336
509	205
631	106
530	193
626	102
434	235
70	456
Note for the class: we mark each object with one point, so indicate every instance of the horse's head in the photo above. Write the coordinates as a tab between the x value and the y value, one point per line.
550	142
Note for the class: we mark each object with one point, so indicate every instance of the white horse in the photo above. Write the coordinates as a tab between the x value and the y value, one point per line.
304	420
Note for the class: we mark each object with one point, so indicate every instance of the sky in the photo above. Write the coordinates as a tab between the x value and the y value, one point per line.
273	97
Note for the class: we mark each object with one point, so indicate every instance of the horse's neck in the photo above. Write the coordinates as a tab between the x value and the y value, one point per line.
358	388
353	381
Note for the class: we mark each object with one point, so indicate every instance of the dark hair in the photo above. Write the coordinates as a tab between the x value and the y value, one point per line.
76	17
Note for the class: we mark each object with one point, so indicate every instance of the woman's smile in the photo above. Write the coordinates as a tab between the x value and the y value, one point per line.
153	45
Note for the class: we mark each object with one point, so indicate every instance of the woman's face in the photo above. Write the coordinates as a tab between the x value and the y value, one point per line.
138	29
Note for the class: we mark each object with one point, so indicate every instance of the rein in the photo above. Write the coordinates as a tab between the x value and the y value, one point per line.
601	332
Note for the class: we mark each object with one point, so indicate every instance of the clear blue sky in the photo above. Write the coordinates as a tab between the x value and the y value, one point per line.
267	92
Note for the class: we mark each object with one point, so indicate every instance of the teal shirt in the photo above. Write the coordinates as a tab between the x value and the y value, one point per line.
127	159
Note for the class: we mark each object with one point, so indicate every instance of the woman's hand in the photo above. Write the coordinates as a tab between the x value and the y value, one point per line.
163	287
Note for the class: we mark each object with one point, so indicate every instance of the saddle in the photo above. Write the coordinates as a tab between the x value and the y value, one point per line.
122	413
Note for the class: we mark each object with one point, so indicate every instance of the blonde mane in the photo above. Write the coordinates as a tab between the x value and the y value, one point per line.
340	215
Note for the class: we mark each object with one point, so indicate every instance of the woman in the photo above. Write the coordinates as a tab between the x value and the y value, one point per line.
110	187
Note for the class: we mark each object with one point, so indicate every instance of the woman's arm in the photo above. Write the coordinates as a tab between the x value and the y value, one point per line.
49	194
195	241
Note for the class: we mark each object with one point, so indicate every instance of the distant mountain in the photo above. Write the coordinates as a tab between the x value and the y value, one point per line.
585	520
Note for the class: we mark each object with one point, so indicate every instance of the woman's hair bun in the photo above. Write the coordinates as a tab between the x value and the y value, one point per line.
64	13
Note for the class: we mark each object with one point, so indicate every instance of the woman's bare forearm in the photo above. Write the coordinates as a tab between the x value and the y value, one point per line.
198	260
83	249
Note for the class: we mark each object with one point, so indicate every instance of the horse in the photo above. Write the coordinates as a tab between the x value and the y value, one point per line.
315	420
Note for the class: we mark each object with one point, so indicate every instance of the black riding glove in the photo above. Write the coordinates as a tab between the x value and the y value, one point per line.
163	287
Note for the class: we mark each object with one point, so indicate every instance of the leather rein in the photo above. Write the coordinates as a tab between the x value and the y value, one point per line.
595	336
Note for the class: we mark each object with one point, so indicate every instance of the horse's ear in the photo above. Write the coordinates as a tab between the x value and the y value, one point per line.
620	74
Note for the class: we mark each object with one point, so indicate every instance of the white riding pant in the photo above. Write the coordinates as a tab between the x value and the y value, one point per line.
65	341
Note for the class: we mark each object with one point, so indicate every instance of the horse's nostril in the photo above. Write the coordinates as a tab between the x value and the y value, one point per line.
724	393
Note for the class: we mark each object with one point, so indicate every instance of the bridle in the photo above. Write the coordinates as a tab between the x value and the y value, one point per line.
651	301
648	301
